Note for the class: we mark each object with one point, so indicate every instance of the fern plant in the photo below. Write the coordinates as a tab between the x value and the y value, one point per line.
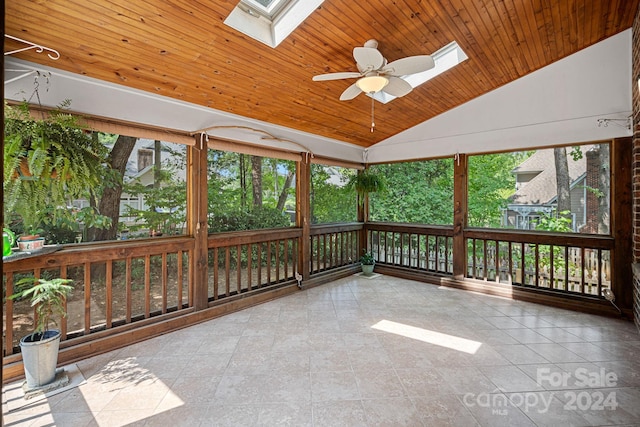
365	182
48	162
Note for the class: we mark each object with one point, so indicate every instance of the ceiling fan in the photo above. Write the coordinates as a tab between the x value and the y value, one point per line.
375	74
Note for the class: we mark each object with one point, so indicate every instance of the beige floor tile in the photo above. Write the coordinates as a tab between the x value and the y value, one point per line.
519	354
555	353
443	410
374	384
329	386
339	414
314	359
399	411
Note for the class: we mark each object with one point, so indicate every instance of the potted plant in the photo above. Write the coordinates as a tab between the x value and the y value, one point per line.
367	262
48	163
365	182
40	348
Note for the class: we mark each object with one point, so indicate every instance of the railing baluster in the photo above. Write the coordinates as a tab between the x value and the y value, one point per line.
566	268
128	285
510	278
475	275
552	267
249	266
63	322
537	265
216	272
147	286
332	241
277	261
437	253
87	298
238	269
318	251
497	262
109	303
523	266
179	279
485	272
227	271
259	257
285	243
323	252
582	269
165	279
599	272
269	262
8	320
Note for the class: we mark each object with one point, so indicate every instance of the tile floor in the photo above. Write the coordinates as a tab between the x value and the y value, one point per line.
365	352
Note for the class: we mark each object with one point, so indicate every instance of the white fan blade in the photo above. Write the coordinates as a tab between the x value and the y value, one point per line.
336	76
397	87
409	65
368	58
350	93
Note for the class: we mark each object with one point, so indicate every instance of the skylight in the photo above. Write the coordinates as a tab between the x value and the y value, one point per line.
270	21
267	8
445	59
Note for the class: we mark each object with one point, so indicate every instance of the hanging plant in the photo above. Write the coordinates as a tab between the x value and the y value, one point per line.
48	163
365	182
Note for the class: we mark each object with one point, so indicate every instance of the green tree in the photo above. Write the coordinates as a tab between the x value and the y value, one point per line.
490	185
416	192
332	200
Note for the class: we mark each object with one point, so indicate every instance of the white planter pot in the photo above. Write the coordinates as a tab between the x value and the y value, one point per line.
367	270
31	245
40	358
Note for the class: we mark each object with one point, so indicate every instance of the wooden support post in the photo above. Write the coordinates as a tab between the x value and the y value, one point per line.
621	206
197	220
460	213
303	214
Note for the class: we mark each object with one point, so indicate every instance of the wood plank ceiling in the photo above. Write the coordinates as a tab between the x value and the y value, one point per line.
182	49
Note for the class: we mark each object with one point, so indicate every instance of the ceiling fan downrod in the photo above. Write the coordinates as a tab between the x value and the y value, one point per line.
373	124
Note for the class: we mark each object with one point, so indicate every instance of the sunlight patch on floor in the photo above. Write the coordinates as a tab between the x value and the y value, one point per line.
431	337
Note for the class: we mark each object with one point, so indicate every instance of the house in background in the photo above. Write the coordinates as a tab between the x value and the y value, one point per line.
140	168
536	190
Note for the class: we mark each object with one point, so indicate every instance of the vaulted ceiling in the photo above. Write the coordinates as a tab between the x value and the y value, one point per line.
182	49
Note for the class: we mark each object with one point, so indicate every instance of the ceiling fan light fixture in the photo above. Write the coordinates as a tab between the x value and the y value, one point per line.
372	84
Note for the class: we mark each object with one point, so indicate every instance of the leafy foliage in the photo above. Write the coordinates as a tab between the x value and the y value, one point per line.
367	181
48	163
47	297
490	185
255	218
557	222
367	259
166	203
230	197
416	192
332	200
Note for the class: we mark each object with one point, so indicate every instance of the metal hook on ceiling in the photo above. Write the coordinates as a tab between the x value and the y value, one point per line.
51	53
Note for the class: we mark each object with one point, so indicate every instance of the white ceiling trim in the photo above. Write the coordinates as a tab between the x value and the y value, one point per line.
558	104
99	98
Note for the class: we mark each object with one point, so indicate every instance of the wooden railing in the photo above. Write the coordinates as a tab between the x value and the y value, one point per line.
115	284
576	264
426	248
333	246
126	284
241	262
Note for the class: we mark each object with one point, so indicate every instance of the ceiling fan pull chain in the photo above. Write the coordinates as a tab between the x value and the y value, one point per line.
373	124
